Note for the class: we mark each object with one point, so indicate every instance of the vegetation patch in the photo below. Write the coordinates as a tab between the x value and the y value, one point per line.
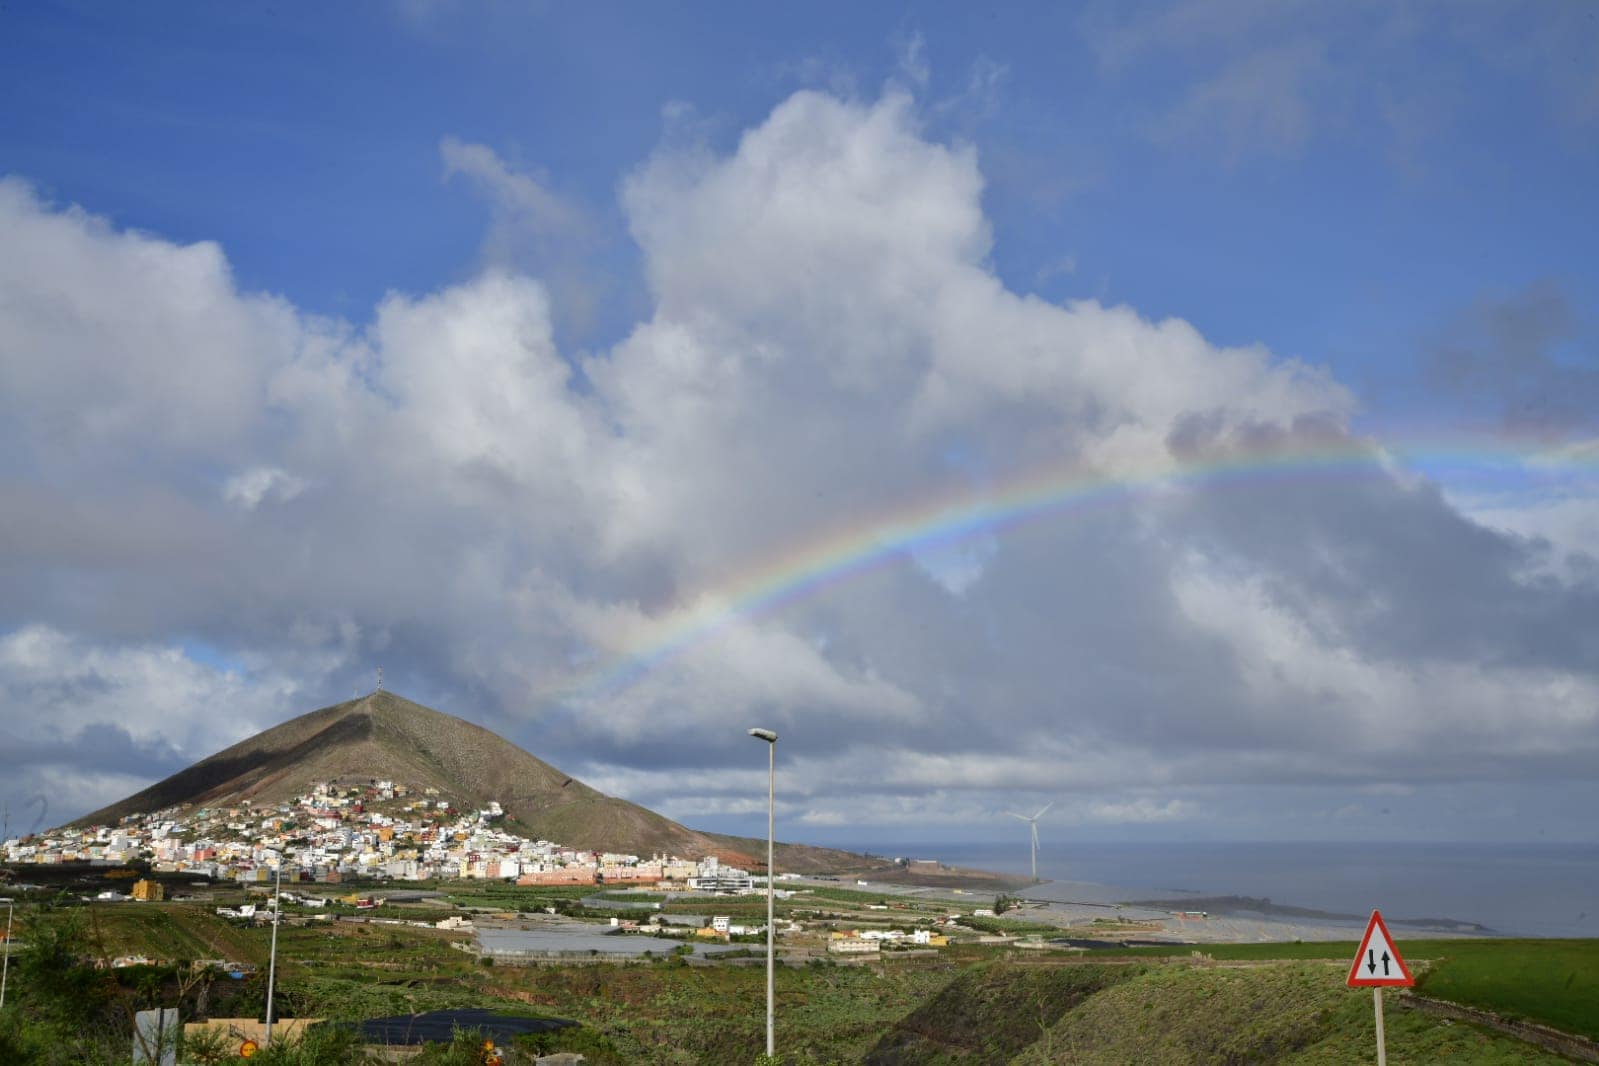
1294	1013
973	1004
1555	982
1552	982
991	1012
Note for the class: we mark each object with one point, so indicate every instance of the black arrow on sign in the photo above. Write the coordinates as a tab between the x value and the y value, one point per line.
1371	955
1385	964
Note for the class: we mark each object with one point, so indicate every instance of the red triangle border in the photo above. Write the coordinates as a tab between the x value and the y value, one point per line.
1355	980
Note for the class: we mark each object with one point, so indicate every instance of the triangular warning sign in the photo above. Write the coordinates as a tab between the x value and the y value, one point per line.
1378	962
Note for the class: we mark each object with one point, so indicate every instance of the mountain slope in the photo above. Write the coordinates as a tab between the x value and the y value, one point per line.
388	737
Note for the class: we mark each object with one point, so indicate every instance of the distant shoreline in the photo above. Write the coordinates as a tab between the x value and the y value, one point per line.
1252	905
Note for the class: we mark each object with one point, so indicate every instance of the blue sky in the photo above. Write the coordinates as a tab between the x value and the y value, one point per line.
1404	182
1396	197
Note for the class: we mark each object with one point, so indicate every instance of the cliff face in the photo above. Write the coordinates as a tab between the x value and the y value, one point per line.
384	736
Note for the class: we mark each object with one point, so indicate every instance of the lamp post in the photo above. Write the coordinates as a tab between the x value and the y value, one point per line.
5	966
272	960
771	826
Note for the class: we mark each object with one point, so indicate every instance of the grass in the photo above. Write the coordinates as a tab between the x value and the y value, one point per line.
847	895
1012	926
1293	1013
977	1006
677	1015
991	1012
478	891
1555	982
172	931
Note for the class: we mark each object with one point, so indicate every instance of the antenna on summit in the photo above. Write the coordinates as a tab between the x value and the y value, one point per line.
380	680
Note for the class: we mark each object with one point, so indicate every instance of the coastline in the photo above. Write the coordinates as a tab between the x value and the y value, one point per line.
1516	889
1109	914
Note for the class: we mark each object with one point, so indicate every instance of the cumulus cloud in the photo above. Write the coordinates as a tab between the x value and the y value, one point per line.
86	723
622	560
113	340
535	229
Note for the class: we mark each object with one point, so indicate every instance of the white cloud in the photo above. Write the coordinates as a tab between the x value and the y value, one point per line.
249	487
498	521
1389	712
521	197
87	723
112	340
1142	809
67	683
912	63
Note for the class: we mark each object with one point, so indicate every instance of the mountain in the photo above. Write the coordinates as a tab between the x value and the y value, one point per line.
384	736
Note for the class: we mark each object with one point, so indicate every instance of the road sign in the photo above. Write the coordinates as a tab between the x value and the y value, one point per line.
248	1049
1378	964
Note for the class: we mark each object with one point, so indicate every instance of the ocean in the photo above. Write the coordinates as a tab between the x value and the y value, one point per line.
1515	889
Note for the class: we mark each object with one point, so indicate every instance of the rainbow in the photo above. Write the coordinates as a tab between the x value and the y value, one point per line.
800	571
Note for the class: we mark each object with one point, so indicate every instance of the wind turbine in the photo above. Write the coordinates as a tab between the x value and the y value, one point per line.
1032	824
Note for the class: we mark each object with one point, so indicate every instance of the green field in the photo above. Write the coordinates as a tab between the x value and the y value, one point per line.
1292	1013
169	931
972	1004
1555	982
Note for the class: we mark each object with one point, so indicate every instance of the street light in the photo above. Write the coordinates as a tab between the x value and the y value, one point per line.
771	825
5	966
272	961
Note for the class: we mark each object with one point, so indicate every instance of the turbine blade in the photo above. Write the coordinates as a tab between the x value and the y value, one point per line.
1044	808
1013	814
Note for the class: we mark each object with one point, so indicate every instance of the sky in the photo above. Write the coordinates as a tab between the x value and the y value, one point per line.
1186	414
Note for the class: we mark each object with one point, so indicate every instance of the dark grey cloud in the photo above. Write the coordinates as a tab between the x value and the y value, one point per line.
99	746
1528	354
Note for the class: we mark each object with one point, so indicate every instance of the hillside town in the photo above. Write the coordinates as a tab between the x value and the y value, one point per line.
366	830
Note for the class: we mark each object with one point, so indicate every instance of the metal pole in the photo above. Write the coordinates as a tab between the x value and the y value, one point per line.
771	831
1382	1047
771	917
5	967
272	961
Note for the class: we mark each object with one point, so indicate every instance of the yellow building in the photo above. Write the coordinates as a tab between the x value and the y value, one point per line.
148	891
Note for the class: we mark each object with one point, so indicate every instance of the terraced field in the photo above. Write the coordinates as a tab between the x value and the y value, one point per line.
979	1004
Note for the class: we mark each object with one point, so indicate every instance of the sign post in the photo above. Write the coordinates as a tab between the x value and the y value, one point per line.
1378	965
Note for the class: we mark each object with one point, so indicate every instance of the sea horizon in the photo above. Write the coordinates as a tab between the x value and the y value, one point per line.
1514	888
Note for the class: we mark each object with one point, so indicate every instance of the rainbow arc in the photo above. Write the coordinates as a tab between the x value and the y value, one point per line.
804	569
